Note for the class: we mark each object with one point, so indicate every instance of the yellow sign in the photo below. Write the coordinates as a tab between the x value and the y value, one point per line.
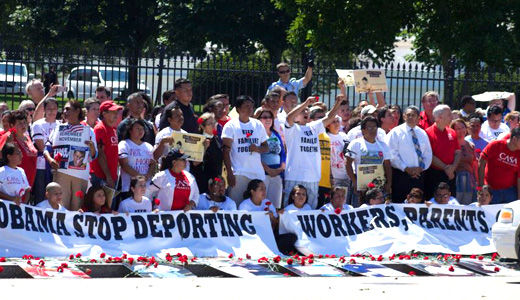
191	144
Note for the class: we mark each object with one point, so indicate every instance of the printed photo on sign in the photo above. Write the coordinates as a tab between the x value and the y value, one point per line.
78	158
62	152
369	173
367	81
190	144
347	76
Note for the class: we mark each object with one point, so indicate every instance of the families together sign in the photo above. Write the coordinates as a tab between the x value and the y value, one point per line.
382	229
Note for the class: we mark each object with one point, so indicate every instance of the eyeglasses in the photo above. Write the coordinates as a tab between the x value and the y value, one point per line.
284	71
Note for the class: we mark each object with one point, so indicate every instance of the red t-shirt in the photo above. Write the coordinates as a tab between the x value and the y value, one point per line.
29	156
181	194
502	165
107	137
424	122
444	143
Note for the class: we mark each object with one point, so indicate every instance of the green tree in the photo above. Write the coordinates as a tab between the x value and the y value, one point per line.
340	29
240	27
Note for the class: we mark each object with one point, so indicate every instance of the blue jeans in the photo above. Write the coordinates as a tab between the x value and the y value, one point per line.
504	196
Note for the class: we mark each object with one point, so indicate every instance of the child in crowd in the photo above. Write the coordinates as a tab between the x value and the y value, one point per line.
442	195
297	199
338	199
484	196
96	201
13	181
137	203
215	199
54	195
415	196
373	196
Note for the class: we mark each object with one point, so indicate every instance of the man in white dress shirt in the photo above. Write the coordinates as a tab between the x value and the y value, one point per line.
411	155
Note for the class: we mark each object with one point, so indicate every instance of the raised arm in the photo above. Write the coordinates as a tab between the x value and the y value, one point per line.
333	112
308	76
298	109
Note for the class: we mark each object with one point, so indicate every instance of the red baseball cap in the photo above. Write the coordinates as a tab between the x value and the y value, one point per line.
109	106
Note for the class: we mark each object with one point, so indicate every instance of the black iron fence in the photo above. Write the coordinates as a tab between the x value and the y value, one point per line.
156	72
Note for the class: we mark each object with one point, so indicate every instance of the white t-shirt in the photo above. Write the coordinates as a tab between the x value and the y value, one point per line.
68	140
365	153
139	157
205	202
13	182
292	207
451	201
329	207
337	158
248	205
129	205
46	205
41	130
491	134
303	161
244	162
356	133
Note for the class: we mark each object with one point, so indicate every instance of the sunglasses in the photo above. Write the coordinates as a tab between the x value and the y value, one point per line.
284	72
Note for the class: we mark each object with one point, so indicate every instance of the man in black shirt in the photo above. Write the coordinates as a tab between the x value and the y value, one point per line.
183	93
136	108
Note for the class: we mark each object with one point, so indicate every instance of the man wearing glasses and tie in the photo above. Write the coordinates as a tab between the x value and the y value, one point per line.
292	84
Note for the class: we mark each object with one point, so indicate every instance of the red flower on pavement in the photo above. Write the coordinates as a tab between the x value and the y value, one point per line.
2	259
248	256
481	257
1	269
352	261
473	256
494	256
102	255
426	258
277	259
64	265
311	261
320	256
130	260
80	194
60	269
230	255
29	262
380	258
78	255
411	273
290	261
451	269
88	271
497	269
71	257
337	211
286	274
41	263
93	261
371	185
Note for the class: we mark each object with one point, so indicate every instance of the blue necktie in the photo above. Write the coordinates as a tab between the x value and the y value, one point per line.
417	148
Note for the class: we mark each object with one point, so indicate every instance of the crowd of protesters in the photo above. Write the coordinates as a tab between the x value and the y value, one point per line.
280	155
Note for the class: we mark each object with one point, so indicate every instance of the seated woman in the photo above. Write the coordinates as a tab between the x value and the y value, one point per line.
14	181
54	196
484	196
297	199
137	203
255	201
215	199
173	185
415	196
96	201
338	200
373	196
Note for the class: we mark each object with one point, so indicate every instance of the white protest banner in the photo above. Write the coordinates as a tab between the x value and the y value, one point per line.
394	228
30	230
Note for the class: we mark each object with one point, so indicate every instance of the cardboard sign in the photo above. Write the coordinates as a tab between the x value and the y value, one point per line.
369	173
365	81
191	144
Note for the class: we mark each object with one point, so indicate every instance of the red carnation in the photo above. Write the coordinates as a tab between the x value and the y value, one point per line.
290	261
130	260
80	194
60	269
88	271
216	179
156	201
371	185
64	265
494	256
230	255
93	261
481	257
71	257
286	274
41	263
479	188
380	258
102	255
311	261
248	256
451	269
352	261
411	273
317	98
268	203
266	208
58	157
2	259
497	269
277	259
337	211
200	121
249	134
1	269
78	255
426	258
473	256
13	131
